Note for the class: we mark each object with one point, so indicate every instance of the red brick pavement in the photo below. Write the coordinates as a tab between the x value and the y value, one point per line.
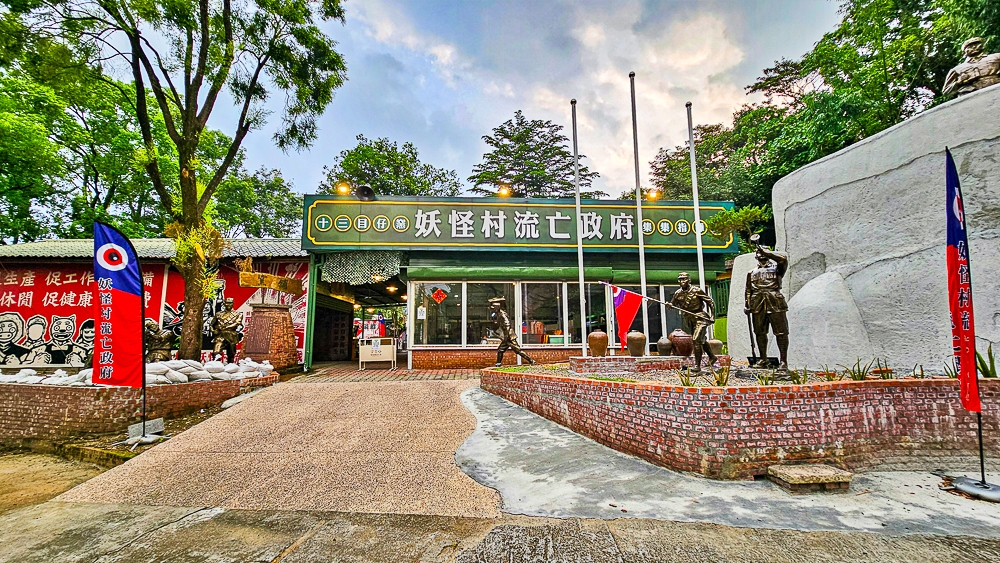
348	372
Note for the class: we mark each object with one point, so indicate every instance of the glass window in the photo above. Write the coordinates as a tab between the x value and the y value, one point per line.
479	324
596	309
438	313
673	317
542	311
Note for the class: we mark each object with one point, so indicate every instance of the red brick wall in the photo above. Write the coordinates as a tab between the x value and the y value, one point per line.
484	357
736	432
49	412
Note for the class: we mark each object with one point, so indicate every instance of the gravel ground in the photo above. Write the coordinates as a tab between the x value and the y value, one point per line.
28	478
355	447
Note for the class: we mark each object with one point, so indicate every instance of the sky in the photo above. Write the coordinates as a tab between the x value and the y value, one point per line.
443	74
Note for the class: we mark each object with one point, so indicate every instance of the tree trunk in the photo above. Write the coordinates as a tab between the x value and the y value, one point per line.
194	304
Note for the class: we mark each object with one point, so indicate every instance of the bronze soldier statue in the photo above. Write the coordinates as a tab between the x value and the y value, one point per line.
977	71
697	314
225	330
765	303
158	342
508	338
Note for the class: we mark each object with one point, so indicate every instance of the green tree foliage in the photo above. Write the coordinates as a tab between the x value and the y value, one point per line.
744	221
184	55
261	204
532	158
389	169
884	62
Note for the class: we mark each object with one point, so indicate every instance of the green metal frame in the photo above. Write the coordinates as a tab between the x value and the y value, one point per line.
307	353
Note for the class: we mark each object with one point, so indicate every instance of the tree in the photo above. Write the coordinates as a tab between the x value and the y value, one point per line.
185	54
259	205
390	170
670	171
531	158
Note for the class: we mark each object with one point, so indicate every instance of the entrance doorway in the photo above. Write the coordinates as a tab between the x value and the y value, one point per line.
337	320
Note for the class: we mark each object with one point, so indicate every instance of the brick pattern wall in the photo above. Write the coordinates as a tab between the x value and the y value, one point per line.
629	364
736	432
278	321
50	412
484	357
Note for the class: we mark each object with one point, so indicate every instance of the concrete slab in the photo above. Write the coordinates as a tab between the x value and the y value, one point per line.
543	469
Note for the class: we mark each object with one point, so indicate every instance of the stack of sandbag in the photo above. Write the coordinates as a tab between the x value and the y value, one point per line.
216	370
248	369
156	374
7	378
28	376
265	368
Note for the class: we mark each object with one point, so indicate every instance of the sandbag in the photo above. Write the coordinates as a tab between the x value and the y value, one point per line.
151	378
59	373
9	378
250	374
85	373
52	380
26	371
176	377
157	368
232	368
32	379
195	364
221	376
215	367
188	370
175	364
199	376
161	380
238	375
265	368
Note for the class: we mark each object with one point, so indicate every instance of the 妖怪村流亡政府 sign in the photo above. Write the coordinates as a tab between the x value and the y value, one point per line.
399	223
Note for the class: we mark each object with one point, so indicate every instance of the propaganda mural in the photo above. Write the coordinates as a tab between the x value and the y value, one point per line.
46	312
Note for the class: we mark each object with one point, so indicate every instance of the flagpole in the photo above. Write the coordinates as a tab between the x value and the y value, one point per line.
697	206
638	218
579	238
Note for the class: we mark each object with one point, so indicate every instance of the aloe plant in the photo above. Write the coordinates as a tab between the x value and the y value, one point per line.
800	378
766	377
988	369
686	378
884	371
949	370
721	376
858	372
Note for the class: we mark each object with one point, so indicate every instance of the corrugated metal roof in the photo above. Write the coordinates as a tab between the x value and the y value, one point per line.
154	248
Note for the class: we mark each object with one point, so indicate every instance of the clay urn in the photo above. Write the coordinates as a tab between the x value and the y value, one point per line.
598	342
715	346
664	347
683	344
636	342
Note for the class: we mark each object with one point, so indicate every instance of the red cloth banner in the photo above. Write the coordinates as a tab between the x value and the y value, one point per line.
963	326
627	304
118	310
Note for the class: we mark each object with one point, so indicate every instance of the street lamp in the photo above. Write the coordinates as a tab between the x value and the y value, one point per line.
504	190
343	187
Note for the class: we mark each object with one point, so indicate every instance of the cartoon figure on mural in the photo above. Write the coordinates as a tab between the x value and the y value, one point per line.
34	340
61	349
11	330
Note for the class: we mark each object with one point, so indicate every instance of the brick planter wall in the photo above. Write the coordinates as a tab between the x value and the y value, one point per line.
457	358
50	412
628	364
736	432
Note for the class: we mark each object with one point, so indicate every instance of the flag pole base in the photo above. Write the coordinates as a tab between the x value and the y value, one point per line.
977	488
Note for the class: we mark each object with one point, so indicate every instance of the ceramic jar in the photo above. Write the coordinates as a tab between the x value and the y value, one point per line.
598	342
664	347
636	342
683	344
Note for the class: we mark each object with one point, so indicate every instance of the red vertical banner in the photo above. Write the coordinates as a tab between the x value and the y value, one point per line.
963	326
118	310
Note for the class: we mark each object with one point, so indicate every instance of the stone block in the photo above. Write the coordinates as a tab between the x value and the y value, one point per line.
810	477
825	326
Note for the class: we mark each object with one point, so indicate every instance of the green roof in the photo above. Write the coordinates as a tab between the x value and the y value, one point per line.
155	248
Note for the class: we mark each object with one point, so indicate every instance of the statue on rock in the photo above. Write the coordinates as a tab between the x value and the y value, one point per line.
508	337
765	303
697	313
977	72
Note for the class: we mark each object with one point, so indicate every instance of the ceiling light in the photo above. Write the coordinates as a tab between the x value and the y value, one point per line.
404	297
391	289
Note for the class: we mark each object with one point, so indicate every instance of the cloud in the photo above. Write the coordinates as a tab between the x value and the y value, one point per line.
582	51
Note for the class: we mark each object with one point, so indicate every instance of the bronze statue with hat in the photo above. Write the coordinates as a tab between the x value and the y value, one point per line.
765	305
508	337
226	330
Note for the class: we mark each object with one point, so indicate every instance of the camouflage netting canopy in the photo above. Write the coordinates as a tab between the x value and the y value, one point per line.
360	267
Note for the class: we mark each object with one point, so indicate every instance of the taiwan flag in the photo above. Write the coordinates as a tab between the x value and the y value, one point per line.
119	310
627	303
963	327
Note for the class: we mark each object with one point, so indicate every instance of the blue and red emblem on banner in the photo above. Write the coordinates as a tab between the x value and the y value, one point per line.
963	326
118	310
627	304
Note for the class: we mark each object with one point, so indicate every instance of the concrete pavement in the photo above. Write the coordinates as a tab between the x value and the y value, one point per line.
60	532
543	469
356	447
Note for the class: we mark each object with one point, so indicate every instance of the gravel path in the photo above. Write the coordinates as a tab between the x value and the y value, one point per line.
355	447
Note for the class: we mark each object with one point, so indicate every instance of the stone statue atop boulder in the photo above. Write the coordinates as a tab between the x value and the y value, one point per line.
765	303
697	314
225	330
158	342
508	337
977	72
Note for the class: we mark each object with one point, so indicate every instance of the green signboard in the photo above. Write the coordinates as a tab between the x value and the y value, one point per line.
402	223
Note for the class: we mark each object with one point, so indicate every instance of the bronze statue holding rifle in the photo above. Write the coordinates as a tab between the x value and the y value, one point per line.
765	304
508	337
697	313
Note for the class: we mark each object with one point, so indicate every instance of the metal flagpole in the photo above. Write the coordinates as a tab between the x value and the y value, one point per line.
579	238
697	207
638	217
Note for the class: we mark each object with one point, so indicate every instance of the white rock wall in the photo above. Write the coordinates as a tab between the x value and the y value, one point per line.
874	213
